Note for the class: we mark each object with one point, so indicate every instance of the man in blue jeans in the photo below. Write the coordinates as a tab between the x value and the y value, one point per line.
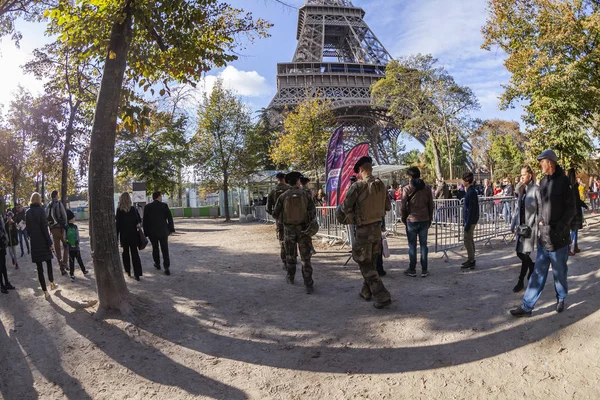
555	215
416	210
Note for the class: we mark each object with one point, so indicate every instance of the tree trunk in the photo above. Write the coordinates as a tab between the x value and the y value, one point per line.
226	196
112	290
43	191
65	158
436	159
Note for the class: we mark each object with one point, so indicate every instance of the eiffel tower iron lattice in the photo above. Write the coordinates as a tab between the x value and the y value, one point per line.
338	58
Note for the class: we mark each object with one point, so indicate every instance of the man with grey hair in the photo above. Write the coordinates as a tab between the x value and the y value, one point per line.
555	215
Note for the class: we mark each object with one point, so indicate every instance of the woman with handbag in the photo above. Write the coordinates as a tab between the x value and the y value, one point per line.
525	224
128	226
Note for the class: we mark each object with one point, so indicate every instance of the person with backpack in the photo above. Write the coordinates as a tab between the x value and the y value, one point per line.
416	210
57	222
365	205
12	237
128	223
296	211
5	285
73	244
280	189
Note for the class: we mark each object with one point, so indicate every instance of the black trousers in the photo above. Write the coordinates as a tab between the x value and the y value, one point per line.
135	257
75	254
527	265
3	272
164	248
40	269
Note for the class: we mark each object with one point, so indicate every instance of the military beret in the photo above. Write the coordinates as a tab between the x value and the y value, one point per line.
361	161
294	175
280	175
304	180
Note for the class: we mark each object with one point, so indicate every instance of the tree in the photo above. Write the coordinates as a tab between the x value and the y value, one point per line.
73	84
155	153
306	131
11	10
427	103
553	49
482	138
459	155
506	155
224	124
147	43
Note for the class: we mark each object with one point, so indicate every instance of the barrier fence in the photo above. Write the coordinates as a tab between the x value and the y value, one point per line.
495	217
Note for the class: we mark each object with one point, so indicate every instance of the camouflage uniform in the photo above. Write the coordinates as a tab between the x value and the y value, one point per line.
271	201
368	204
293	236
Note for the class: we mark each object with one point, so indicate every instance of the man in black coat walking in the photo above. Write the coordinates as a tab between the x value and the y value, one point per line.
158	225
554	216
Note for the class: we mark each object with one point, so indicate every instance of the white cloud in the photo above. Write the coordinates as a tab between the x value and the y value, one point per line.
11	75
244	83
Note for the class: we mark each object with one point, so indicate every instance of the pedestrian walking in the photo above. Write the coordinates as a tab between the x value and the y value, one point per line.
5	285
72	235
577	222
557	212
158	225
296	211
416	211
12	234
128	223
57	222
365	205
21	229
41	245
471	218
525	224
280	189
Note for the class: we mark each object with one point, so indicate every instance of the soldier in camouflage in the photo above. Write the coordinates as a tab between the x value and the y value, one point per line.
365	205
296	209
271	201
304	186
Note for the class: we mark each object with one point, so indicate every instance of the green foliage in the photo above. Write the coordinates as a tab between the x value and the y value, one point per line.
486	141
11	10
220	145
553	49
303	142
427	103
154	153
459	155
508	157
177	40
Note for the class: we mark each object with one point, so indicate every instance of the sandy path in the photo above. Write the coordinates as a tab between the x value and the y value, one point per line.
226	325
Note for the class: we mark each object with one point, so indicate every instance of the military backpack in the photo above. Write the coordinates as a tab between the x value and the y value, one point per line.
295	205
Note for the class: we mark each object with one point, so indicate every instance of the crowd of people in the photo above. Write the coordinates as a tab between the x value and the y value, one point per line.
545	218
50	233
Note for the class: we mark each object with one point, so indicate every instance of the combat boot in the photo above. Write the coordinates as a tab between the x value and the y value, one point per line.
383	304
310	289
289	279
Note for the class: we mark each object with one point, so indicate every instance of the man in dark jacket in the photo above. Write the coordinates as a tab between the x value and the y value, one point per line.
416	210
22	232
158	225
471	218
557	211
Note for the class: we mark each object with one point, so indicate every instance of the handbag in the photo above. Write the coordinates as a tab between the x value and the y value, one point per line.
524	231
385	250
142	239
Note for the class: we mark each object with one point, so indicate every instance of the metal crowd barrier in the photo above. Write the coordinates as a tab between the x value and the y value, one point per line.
495	219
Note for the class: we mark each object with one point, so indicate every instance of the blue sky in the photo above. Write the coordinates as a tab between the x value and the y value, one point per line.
448	29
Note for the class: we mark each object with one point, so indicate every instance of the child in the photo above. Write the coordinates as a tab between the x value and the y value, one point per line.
73	244
12	233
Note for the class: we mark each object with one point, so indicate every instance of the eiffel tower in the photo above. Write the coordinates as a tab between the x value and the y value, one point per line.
338	58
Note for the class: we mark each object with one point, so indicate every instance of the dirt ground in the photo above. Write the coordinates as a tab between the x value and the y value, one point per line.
225	325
